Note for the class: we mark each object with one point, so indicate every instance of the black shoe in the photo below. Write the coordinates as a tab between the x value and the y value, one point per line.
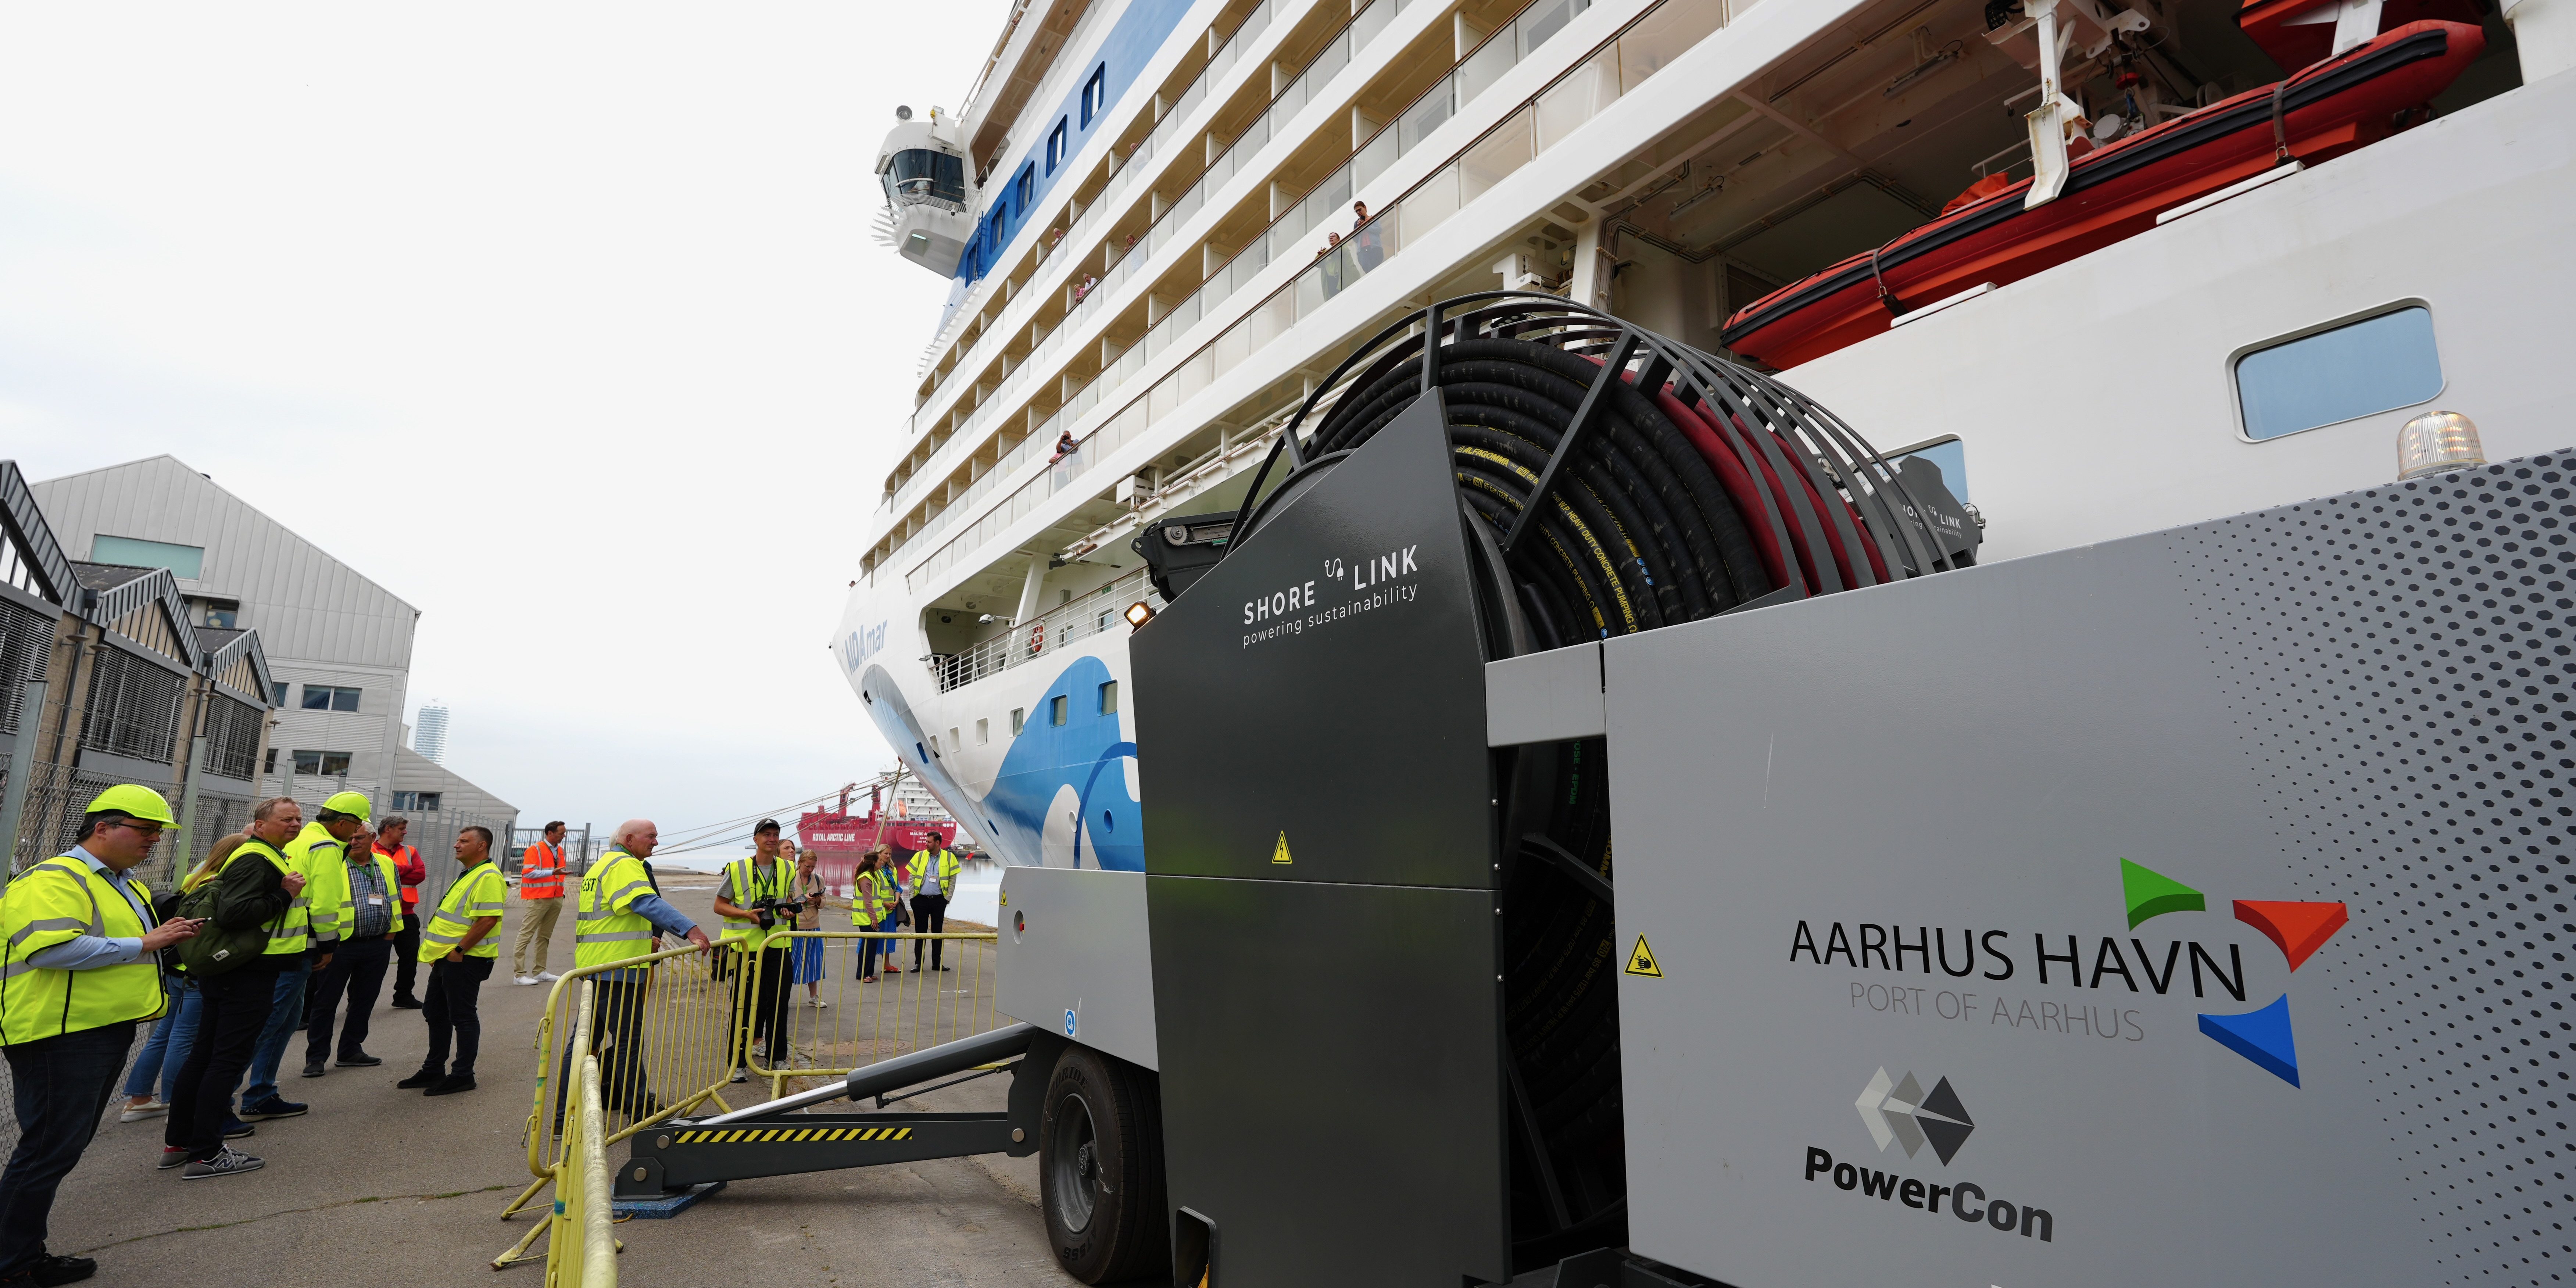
275	1106
235	1129
406	1003
361	1060
61	1270
939	968
424	1078
314	1069
451	1084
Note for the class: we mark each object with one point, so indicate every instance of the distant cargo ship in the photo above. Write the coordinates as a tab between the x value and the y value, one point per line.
839	837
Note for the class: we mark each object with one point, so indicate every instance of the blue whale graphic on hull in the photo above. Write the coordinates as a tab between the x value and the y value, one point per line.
1086	753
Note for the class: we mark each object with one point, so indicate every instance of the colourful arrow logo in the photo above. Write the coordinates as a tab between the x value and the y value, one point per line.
2299	929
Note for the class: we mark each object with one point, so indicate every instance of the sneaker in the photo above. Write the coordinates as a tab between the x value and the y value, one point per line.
523	979
235	1129
424	1078
274	1107
230	1162
315	1070
741	1074
406	1003
361	1060
172	1156
135	1113
816	1002
61	1270
451	1084
547	977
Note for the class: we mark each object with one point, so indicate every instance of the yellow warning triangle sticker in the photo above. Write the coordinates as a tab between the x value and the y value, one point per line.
1280	855
1642	961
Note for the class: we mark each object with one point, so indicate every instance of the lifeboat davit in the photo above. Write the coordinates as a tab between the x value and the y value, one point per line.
2112	192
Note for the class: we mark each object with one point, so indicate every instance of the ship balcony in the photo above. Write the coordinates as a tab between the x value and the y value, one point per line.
1101	612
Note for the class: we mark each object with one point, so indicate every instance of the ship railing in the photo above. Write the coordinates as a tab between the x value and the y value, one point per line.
1612	69
1097	613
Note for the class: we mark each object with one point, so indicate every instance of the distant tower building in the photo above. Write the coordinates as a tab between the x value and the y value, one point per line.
429	738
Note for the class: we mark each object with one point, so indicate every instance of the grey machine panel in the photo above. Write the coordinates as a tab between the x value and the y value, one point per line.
2358	702
1076	957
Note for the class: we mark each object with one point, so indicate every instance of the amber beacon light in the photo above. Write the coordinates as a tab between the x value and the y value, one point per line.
2438	441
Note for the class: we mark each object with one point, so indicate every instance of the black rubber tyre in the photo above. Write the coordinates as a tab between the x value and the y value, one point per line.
1100	1168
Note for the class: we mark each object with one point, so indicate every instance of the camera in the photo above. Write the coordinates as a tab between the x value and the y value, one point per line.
769	910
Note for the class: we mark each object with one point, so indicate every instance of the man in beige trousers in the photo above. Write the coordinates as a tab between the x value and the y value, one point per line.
541	874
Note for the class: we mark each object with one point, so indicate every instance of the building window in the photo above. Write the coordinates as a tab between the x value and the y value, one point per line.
184	562
1062	707
1095	94
1019	718
2357	369
221	614
270	765
983	732
277	694
322	764
1109	698
419	802
325	697
1055	147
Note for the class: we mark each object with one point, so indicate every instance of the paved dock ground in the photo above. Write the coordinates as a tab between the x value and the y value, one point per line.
381	1185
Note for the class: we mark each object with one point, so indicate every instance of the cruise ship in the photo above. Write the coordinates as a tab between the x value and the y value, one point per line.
2113	266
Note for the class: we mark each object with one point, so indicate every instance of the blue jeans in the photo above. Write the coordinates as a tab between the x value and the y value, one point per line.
167	1048
62	1085
285	1017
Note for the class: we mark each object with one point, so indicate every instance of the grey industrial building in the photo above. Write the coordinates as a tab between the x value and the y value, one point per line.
167	619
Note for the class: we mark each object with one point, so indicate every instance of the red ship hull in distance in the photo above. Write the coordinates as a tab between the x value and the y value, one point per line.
2112	193
838	839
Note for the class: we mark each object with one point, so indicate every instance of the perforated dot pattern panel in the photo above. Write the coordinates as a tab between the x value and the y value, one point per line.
2399	667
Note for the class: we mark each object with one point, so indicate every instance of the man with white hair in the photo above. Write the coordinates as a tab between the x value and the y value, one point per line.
617	914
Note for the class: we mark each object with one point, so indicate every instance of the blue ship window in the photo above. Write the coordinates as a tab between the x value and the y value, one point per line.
1019	717
1055	147
1063	707
1108	821
2357	369
1095	94
1028	188
1109	698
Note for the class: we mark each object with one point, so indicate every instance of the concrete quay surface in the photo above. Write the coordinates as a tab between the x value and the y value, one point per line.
382	1185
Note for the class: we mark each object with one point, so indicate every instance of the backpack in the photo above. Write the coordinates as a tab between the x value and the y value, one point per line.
214	950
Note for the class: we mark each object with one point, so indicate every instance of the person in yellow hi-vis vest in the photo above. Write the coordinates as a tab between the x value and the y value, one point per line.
875	904
314	854
81	945
369	888
763	975
257	896
616	914
456	942
934	881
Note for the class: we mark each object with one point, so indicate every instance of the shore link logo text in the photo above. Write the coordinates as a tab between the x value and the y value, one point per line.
1967	1201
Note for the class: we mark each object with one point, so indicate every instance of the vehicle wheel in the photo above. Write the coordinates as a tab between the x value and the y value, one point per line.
1100	1167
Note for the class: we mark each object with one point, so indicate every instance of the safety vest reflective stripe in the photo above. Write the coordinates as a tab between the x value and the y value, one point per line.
38	1002
605	916
541	872
289	934
321	858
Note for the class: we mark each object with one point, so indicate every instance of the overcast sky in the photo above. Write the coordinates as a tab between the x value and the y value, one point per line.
562	323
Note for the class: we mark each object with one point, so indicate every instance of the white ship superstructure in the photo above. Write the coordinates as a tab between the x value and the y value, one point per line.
1167	222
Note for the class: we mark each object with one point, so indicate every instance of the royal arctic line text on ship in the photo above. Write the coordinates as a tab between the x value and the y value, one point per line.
2112	265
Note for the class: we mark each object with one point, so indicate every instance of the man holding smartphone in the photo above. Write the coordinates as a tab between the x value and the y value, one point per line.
77	914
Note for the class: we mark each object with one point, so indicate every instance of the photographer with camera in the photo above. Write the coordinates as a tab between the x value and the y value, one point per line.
759	903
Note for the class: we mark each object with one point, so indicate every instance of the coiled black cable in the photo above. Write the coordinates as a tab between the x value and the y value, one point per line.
1696	486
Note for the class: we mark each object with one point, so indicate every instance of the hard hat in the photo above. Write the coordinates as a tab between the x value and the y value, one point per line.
140	801
350	803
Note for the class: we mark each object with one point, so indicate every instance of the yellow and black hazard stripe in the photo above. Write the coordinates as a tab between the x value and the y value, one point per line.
784	1135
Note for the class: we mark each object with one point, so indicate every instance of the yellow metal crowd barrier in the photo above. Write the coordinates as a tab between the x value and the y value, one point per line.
836	1021
664	1033
580	1250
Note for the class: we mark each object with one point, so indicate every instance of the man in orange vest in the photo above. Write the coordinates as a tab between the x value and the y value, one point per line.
409	872
541	874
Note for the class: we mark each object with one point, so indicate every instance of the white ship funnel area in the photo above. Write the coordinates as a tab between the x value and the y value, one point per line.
923	170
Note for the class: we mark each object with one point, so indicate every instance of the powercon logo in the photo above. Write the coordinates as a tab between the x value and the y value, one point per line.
1898	1113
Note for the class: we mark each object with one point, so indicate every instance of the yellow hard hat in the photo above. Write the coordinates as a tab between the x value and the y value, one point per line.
350	803
137	800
